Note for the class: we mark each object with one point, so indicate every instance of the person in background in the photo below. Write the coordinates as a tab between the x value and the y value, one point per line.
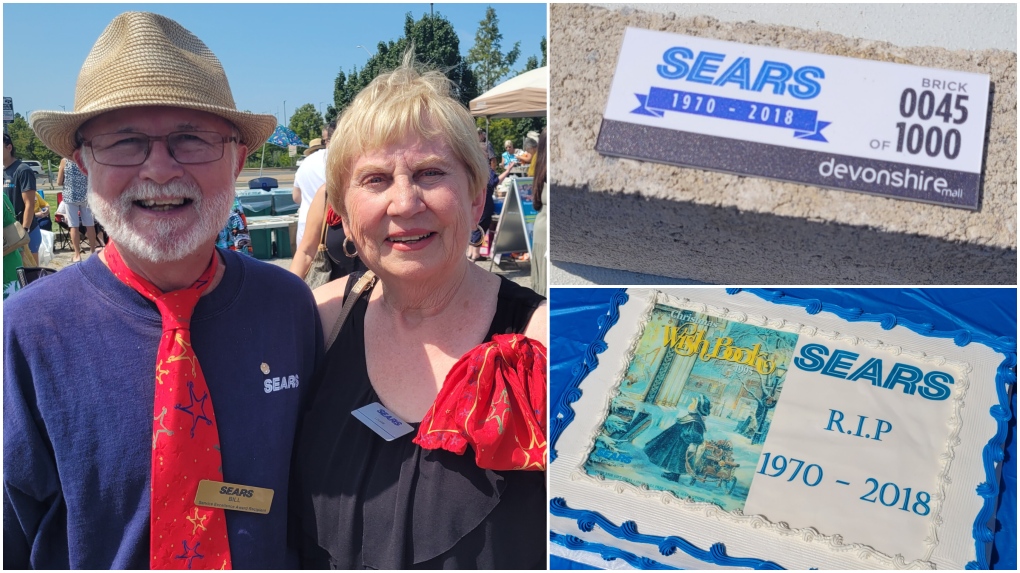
531	166
342	262
478	235
234	236
76	185
42	214
204	356
408	179
540	201
12	259
19	186
509	157
526	156
483	138
309	177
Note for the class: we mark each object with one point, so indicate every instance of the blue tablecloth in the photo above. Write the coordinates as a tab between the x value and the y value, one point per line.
574	312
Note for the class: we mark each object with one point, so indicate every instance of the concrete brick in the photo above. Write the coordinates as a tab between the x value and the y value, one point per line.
722	228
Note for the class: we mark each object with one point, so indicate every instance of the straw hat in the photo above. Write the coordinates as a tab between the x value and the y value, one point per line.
314	145
144	59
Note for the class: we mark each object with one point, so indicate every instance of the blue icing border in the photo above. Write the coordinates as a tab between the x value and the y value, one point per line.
587	520
606	552
992	453
563	412
994	450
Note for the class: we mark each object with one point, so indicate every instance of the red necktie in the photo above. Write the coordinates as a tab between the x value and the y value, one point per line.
185	437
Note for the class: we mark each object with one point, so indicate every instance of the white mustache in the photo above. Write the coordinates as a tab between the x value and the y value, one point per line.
147	191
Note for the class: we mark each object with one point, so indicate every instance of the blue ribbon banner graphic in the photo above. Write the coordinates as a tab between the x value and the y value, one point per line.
804	122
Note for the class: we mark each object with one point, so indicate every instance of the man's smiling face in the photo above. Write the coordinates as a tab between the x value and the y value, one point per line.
161	210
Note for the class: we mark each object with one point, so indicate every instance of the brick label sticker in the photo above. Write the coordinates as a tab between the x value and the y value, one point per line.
875	127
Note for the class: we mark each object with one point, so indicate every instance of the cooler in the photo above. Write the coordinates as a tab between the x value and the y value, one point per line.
262	243
282	242
255	203
283	203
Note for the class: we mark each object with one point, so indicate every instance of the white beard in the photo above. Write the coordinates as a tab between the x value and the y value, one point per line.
170	240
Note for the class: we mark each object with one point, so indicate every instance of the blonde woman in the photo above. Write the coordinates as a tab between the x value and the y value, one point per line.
408	179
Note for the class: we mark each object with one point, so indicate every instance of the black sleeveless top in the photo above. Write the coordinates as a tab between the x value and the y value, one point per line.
366	503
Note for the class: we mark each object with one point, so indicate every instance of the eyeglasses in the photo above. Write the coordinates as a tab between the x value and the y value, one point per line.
186	147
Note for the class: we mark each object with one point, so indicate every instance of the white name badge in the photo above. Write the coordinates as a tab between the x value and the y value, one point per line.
874	127
382	421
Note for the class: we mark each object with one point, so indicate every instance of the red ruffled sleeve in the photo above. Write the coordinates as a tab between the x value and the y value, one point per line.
493	399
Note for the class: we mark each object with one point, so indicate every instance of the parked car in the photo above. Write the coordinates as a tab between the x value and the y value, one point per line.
35	165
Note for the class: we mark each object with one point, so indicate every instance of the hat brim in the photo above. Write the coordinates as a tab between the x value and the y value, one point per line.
57	129
313	149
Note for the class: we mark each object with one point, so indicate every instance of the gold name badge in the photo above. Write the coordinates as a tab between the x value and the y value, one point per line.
233	496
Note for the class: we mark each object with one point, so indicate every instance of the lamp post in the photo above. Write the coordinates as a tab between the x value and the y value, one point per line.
366	50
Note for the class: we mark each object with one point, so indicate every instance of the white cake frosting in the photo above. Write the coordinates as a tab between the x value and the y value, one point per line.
922	465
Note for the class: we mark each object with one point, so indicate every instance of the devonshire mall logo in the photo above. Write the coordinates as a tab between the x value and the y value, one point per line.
905	178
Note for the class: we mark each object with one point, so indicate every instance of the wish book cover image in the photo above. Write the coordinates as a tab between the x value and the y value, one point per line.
694	407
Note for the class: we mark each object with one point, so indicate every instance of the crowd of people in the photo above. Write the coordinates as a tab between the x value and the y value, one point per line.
216	412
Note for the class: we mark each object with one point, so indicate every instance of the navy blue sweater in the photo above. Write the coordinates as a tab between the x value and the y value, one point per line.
79	367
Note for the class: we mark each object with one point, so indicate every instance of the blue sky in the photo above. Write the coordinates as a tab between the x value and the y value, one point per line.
272	52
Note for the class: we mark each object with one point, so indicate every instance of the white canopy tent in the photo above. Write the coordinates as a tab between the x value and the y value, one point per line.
522	96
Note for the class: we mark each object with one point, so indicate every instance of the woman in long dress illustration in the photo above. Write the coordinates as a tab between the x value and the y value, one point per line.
668	450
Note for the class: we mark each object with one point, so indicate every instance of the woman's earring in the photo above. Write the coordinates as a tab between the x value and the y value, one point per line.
481	237
349	254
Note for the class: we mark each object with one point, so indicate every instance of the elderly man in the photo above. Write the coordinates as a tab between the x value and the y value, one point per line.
166	444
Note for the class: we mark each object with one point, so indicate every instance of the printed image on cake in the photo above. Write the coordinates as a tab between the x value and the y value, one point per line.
694	407
718	429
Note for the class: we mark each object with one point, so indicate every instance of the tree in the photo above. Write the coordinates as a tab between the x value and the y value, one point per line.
28	146
306	122
486	57
487	41
276	156
533	62
524	125
436	46
499	131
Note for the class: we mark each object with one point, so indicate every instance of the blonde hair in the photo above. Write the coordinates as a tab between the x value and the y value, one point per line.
402	102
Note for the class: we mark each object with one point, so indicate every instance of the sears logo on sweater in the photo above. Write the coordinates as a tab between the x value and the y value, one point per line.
278	383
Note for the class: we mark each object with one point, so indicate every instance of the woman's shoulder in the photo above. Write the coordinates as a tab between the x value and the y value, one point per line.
515	294
329	298
526	310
